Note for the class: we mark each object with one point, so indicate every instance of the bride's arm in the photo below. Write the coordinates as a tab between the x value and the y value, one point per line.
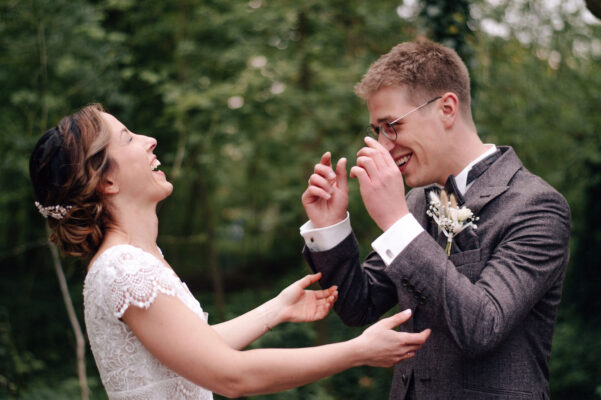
293	304
191	348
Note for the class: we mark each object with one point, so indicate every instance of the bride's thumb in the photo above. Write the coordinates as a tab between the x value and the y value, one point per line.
397	319
309	279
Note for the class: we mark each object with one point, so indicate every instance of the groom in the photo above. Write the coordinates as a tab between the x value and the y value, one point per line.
492	302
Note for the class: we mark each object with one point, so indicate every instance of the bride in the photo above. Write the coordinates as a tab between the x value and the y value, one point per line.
98	184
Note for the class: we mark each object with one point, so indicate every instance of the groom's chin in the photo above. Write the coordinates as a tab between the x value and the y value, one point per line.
410	182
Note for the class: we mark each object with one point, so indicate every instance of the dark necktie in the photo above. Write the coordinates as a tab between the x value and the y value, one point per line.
451	188
477	169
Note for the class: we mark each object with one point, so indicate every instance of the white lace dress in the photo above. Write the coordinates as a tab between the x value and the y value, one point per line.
120	277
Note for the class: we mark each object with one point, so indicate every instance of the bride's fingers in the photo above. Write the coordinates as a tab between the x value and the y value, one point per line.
412	348
326	301
326	292
418	338
328	298
332	299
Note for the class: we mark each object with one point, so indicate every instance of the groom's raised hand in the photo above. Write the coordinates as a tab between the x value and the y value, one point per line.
381	184
326	197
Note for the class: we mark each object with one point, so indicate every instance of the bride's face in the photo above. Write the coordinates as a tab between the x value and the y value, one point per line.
136	176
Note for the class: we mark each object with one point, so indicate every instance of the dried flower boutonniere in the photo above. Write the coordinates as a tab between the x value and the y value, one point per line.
449	217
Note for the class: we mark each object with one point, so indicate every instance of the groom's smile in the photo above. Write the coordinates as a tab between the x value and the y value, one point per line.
420	146
402	162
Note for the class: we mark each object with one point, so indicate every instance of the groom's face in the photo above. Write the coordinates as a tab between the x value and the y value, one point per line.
419	149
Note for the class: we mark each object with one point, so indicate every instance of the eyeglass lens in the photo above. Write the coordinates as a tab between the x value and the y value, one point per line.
388	130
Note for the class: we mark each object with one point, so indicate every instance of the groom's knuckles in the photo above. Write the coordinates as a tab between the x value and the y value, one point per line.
320	182
314	192
310	195
324	170
341	174
325	158
365	162
359	173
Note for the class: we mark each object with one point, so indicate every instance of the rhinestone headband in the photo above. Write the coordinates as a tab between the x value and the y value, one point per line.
56	212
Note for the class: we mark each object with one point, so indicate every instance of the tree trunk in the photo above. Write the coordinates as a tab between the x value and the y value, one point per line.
79	337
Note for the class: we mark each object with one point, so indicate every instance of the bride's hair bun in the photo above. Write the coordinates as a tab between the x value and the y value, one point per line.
66	167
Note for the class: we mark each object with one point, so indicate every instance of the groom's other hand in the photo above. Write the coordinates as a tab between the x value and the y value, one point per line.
326	197
381	183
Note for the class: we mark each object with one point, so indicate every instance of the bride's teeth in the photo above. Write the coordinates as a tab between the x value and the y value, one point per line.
155	164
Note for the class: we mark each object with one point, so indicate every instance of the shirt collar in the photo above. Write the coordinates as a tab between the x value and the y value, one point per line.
461	178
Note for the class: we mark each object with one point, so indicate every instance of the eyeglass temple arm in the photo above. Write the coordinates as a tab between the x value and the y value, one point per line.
415	109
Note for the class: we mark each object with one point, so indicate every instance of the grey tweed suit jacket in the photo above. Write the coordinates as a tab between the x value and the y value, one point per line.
491	305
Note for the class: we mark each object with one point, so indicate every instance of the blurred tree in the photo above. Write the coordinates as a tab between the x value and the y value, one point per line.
54	57
244	97
449	22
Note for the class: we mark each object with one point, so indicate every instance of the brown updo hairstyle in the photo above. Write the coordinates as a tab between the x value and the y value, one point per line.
66	167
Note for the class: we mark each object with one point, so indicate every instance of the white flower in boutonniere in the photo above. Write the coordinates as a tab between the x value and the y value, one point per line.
449	217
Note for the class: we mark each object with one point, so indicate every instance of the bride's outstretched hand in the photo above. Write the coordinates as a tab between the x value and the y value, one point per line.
301	305
384	347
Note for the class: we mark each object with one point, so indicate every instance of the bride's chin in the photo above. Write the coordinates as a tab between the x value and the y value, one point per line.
168	191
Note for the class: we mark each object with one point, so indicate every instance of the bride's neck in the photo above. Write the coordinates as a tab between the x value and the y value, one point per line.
136	226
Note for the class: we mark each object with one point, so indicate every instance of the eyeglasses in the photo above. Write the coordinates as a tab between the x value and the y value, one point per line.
387	128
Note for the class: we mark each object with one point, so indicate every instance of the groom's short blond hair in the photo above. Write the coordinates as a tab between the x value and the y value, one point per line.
426	68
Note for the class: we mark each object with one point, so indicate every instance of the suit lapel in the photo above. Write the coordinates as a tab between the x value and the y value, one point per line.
489	185
494	181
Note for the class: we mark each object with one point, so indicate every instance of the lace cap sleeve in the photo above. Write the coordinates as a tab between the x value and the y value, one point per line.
133	277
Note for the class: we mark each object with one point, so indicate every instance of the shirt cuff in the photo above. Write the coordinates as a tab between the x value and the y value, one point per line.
322	239
392	242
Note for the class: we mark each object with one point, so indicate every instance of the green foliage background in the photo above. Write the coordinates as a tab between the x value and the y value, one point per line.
243	98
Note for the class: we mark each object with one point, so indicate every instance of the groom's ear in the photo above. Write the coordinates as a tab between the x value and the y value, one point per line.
449	108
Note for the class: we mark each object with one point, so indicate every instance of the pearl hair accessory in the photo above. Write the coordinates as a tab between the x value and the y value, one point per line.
56	212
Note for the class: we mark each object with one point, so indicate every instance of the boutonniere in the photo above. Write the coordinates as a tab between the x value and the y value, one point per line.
449	217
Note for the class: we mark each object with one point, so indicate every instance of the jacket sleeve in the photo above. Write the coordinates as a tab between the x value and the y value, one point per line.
365	291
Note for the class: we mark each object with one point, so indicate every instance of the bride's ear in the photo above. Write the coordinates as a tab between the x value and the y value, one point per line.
108	186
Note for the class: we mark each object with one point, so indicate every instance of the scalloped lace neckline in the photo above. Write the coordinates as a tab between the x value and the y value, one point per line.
113	248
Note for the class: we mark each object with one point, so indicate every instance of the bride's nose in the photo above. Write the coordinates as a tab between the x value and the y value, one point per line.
152	143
